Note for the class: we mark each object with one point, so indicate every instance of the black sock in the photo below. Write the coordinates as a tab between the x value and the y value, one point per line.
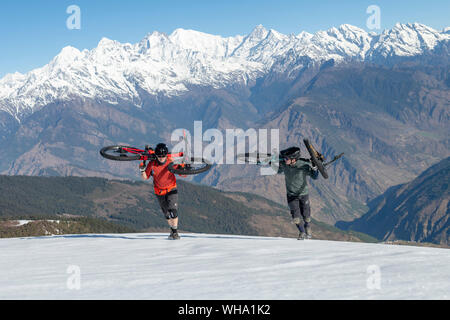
174	229
300	228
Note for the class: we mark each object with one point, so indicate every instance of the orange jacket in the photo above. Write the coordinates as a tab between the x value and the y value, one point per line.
164	181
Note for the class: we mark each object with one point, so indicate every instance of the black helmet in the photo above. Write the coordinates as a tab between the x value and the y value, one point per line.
291	153
161	150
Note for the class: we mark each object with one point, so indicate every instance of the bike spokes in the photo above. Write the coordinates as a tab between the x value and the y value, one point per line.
121	153
193	166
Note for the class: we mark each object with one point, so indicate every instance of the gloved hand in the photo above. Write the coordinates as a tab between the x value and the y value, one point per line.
142	166
314	167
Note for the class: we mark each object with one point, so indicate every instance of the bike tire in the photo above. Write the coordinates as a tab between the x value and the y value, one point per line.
122	156
314	159
254	158
187	170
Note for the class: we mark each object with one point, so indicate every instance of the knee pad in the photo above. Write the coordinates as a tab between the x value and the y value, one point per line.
308	219
167	215
171	214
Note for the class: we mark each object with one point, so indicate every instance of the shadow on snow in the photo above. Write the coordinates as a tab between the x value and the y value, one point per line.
148	237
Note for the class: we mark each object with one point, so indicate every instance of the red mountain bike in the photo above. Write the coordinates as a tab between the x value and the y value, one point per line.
179	163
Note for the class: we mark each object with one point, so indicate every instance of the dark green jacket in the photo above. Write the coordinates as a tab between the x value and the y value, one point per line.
295	177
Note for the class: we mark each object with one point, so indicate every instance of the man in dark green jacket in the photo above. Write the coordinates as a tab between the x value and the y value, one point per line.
295	172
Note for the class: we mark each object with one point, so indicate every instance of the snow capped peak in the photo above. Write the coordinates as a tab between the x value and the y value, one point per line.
250	42
416	26
208	44
304	36
168	64
258	33
407	40
348	29
65	58
412	27
187	35
105	42
422	26
68	54
69	51
273	34
398	25
152	40
154	35
12	76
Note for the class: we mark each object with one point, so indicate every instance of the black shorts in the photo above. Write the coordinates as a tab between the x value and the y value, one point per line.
300	207
169	204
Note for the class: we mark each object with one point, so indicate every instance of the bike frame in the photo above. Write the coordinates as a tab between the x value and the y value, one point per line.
149	155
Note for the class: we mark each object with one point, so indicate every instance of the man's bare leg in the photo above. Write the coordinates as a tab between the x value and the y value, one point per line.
173	223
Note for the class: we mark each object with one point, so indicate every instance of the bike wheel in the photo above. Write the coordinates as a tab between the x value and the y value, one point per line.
196	166
121	153
255	158
315	158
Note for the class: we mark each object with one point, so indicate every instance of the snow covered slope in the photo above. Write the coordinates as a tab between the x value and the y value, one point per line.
205	266
168	65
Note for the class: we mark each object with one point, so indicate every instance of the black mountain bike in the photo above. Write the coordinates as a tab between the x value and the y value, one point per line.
316	158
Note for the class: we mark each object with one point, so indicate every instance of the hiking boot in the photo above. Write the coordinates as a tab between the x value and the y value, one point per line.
308	232
174	235
301	236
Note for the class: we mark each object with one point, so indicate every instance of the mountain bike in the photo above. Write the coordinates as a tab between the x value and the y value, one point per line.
316	158
179	163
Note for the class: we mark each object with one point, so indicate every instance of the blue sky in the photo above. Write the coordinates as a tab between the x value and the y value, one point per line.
33	32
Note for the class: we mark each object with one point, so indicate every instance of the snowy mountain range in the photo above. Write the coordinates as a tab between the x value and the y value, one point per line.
169	65
382	99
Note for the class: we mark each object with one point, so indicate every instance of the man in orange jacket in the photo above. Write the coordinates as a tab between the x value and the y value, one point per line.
165	185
